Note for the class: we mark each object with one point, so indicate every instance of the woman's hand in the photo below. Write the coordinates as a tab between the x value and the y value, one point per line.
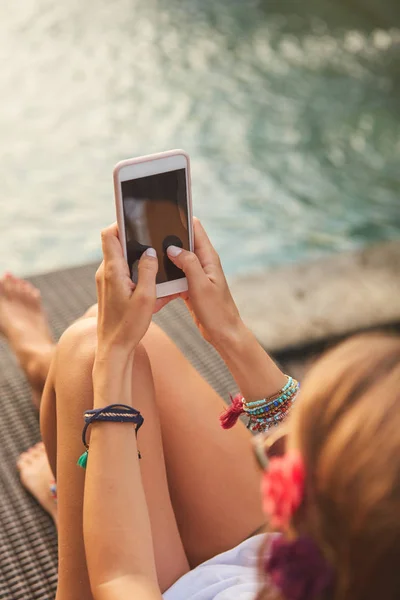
208	298
215	313
125	309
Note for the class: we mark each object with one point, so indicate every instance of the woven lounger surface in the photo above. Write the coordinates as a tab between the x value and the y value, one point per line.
28	543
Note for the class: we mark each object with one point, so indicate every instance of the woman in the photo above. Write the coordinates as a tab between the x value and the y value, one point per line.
200	482
335	494
340	479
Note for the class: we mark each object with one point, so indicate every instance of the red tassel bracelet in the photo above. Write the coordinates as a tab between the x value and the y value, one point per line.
231	415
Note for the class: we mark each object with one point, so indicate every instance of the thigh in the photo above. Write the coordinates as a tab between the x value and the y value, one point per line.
48	417
74	394
213	478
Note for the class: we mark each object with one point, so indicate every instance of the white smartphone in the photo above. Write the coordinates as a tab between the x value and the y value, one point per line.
154	209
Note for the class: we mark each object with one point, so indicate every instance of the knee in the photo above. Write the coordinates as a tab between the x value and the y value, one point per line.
76	349
77	346
76	352
91	311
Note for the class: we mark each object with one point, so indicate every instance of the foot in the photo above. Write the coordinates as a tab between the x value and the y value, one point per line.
36	477
23	323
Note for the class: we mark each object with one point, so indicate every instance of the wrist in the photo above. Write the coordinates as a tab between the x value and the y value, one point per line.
230	341
112	378
108	353
253	369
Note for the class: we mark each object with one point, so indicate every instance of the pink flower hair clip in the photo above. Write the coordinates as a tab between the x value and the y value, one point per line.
282	488
297	567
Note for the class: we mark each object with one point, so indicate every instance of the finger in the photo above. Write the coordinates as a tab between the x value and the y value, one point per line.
111	245
147	271
99	278
203	248
115	265
190	265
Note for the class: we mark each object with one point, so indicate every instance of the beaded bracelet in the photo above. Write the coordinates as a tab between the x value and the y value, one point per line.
273	404
263	414
262	423
117	413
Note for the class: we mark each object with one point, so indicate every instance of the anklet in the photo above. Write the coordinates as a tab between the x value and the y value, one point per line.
263	414
53	490
117	413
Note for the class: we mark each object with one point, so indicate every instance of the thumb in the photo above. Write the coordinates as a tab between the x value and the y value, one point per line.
190	265
147	271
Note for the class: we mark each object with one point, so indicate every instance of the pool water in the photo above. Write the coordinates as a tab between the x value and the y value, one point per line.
291	116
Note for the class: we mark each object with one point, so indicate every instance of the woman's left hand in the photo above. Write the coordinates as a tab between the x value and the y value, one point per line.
125	308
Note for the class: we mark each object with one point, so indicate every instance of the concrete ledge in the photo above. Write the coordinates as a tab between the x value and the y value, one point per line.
302	303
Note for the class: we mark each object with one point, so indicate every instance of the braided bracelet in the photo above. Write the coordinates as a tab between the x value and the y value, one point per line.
263	414
117	413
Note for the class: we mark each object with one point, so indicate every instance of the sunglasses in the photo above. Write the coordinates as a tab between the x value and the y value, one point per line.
270	444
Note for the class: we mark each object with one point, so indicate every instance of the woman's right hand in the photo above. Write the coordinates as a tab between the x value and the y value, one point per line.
208	298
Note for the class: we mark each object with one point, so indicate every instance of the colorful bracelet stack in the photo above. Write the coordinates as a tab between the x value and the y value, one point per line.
263	414
268	412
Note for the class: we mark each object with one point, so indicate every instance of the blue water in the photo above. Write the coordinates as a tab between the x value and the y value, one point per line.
291	116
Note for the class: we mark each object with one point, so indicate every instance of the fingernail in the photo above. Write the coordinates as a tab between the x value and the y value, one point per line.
174	250
151	252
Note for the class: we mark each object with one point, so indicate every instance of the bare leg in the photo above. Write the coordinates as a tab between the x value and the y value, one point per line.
48	414
36	475
189	415
74	394
90	312
24	324
213	478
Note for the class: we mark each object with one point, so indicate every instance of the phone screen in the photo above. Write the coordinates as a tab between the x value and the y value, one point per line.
156	215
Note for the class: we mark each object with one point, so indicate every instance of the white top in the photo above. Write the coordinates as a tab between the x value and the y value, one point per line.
231	575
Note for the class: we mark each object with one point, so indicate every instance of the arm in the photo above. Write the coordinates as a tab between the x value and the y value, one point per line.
252	368
216	315
116	523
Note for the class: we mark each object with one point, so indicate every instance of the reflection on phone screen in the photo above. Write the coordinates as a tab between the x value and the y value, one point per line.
156	215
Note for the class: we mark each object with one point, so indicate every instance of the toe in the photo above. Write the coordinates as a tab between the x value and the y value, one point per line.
22	459
19	287
28	290
10	284
29	456
36	451
33	292
7	284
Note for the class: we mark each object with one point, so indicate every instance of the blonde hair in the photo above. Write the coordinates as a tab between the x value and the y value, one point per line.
346	425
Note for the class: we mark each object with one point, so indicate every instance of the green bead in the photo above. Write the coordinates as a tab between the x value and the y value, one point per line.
82	460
